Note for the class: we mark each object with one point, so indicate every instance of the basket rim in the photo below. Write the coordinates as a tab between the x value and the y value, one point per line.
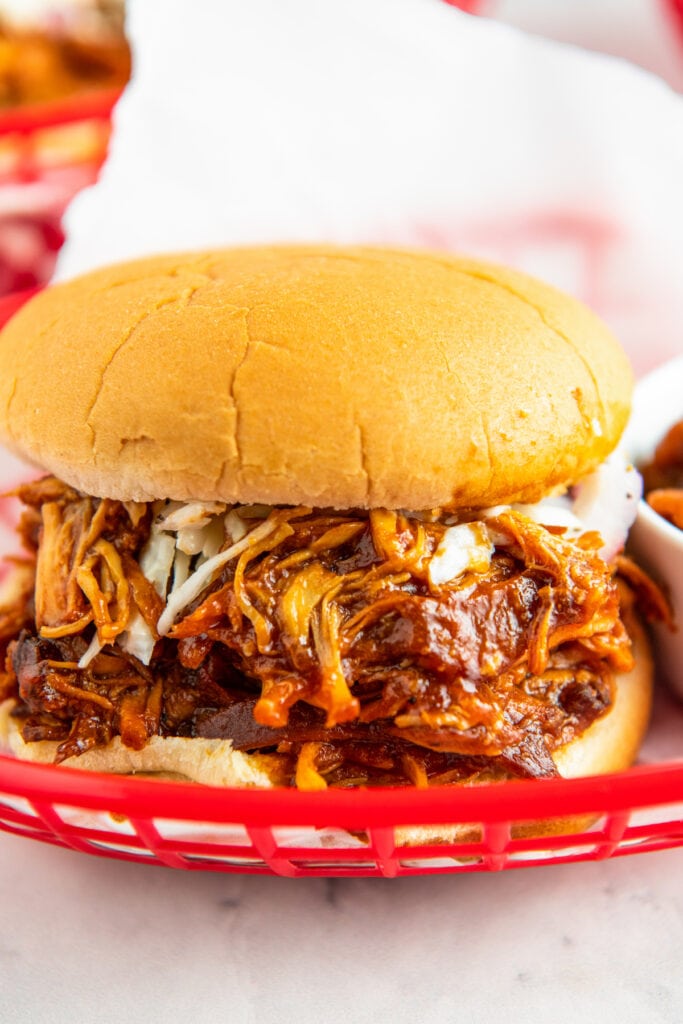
96	104
643	786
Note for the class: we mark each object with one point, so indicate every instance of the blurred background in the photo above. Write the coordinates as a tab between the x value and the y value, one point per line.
646	32
63	66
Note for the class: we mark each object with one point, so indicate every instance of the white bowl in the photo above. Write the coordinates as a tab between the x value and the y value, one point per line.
656	544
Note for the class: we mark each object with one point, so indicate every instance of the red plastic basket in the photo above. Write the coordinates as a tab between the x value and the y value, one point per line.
675	9
672	8
48	153
341	832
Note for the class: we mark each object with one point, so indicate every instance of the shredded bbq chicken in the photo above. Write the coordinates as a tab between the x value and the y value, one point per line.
318	635
663	477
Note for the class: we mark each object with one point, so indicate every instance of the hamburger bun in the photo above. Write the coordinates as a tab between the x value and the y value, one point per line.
315	375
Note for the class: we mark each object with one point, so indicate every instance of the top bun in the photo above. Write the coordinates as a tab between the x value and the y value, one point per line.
317	375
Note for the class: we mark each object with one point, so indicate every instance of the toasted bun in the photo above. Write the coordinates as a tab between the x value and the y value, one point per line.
347	377
610	744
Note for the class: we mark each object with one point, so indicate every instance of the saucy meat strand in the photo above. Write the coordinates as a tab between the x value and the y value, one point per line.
326	637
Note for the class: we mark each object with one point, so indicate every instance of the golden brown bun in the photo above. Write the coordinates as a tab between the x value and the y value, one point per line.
311	374
610	744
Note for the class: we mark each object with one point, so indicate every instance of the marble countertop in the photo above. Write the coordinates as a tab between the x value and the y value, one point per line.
85	938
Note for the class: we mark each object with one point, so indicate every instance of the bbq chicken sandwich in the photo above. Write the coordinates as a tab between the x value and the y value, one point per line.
320	516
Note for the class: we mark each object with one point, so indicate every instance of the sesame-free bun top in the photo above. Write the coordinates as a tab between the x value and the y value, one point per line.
319	375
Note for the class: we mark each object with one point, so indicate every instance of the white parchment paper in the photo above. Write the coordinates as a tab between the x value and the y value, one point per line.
398	121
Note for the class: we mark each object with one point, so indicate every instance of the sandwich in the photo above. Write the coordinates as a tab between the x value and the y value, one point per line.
320	516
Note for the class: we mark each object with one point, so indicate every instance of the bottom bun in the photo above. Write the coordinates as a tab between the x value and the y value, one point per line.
610	744
210	762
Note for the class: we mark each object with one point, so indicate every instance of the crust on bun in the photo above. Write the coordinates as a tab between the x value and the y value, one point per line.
312	375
